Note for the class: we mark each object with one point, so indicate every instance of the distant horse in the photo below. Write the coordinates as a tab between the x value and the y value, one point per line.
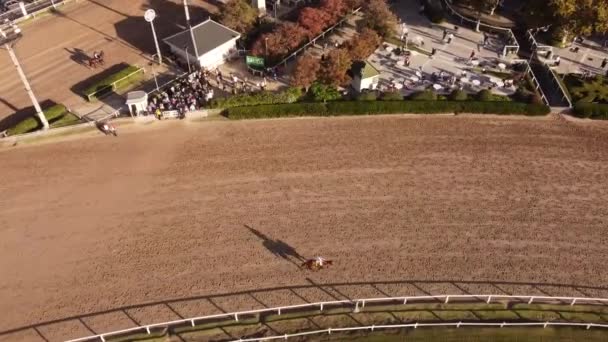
97	59
313	264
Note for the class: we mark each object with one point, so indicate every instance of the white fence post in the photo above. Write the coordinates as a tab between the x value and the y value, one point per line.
573	302
22	7
531	300
489	299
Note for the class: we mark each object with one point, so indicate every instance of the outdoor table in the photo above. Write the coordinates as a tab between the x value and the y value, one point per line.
437	86
418	73
476	82
475	62
500	84
389	49
464	80
415	78
502	66
398	86
400	63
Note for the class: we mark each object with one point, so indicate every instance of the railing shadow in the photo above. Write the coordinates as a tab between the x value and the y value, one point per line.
414	283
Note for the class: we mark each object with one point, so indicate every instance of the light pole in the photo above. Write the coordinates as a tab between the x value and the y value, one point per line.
188	59
9	38
150	15
187	12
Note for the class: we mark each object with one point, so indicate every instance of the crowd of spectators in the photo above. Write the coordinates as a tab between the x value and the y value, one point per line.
196	90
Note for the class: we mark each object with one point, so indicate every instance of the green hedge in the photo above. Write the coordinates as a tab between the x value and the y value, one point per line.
591	110
111	83
57	116
290	95
383	107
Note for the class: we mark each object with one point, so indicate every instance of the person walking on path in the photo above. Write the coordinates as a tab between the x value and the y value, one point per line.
604	62
445	34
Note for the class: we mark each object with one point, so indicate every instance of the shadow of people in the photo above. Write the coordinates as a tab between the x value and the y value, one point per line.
278	247
78	56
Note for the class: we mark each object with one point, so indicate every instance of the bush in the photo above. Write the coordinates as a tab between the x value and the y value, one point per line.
459	95
276	111
115	81
323	92
484	95
290	95
392	96
367	96
425	95
384	107
591	110
57	116
535	99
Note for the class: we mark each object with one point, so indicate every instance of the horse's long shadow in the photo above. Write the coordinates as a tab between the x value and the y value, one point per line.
278	247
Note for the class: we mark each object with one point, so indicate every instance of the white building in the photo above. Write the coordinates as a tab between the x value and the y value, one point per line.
214	44
365	76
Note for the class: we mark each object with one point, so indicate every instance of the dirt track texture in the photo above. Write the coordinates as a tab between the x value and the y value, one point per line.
404	205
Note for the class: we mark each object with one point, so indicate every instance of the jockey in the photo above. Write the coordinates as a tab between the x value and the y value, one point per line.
320	260
95	55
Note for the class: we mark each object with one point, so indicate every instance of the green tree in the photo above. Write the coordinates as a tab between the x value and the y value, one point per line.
323	92
239	15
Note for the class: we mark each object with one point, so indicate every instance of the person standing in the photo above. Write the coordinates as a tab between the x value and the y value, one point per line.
450	38
445	34
604	62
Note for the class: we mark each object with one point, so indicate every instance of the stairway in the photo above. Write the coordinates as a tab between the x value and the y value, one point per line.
543	75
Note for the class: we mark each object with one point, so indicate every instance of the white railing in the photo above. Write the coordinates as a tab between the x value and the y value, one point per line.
507	47
420	325
32	9
359	304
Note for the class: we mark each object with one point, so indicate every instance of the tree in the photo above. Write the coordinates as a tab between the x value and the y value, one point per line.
335	68
363	45
314	20
335	8
279	43
380	18
322	92
481	6
305	71
239	15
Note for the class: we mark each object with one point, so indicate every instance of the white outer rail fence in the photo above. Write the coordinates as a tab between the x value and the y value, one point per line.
420	325
358	304
31	9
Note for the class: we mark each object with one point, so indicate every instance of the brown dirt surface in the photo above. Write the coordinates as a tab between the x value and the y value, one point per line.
219	214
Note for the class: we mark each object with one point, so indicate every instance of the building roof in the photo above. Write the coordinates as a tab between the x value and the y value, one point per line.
208	35
136	96
364	69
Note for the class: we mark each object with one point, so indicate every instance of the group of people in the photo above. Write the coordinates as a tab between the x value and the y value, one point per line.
185	95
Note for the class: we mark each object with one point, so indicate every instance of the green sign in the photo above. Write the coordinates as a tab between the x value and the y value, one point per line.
255	62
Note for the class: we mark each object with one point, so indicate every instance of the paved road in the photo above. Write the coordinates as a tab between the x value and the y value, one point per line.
53	48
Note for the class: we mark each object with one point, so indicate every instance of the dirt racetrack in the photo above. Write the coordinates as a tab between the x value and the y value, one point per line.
404	205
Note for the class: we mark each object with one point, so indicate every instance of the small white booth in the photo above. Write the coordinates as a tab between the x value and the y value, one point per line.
365	76
137	101
214	44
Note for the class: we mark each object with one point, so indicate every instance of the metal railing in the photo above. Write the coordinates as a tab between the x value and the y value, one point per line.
535	50
371	328
359	304
535	82
32	9
513	45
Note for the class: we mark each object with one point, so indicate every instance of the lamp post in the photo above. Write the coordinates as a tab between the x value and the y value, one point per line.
187	12
150	15
187	58
9	36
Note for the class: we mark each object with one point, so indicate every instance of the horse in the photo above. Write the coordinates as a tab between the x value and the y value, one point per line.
313	264
97	59
107	128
